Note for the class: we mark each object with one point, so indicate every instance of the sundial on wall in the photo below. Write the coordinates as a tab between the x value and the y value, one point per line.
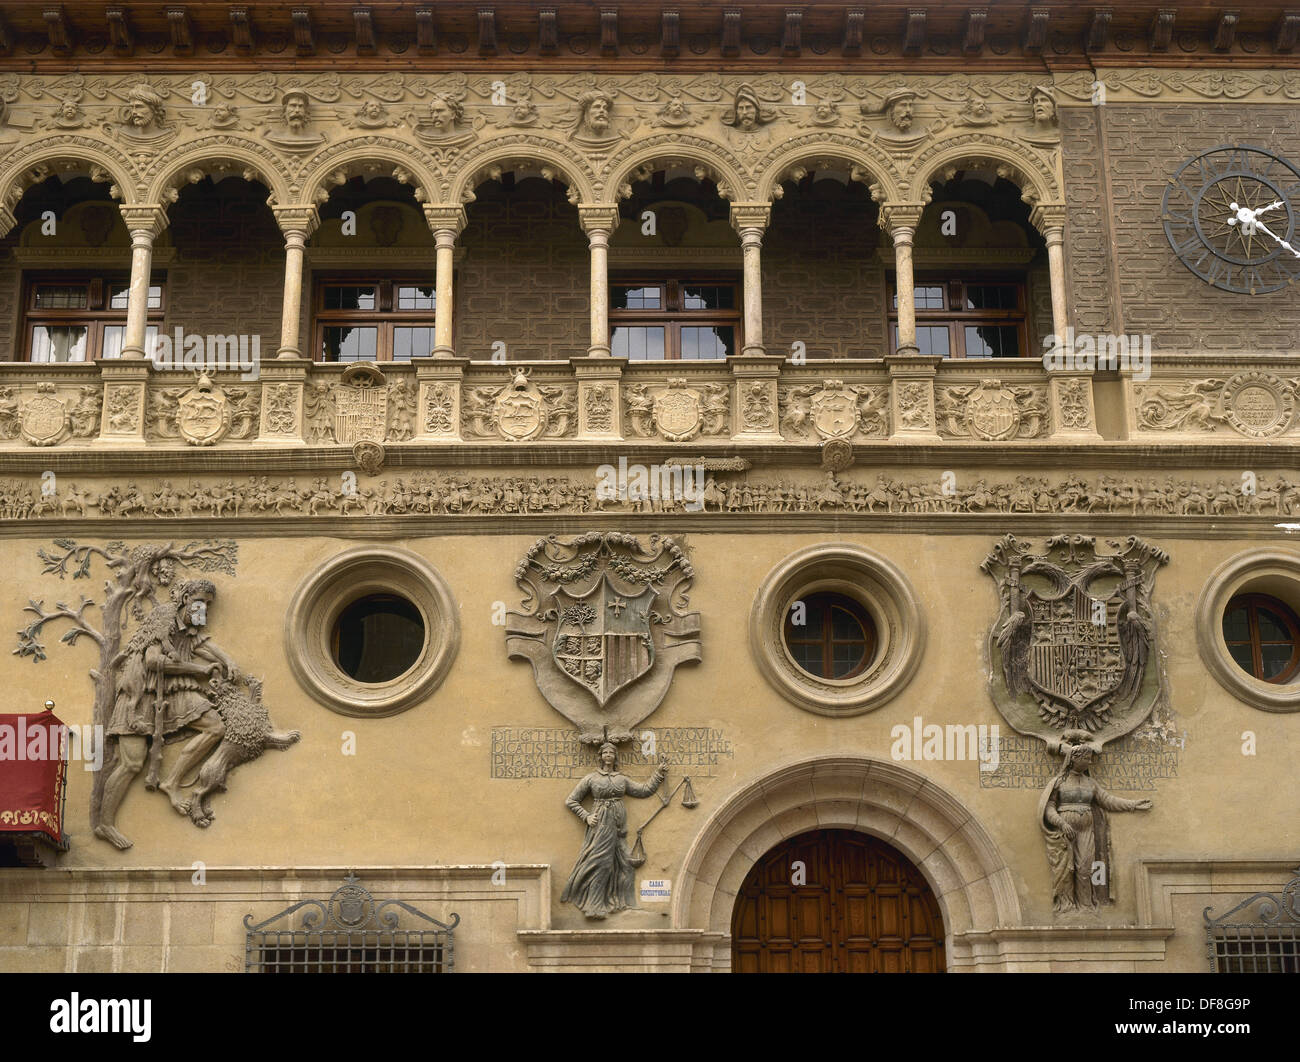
1230	216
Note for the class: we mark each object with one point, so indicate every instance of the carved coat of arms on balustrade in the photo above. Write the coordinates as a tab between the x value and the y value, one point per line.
361	405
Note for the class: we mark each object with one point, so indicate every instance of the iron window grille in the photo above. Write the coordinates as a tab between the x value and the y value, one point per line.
350	933
1269	944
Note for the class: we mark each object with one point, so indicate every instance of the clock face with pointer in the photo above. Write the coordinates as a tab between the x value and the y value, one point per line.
1227	214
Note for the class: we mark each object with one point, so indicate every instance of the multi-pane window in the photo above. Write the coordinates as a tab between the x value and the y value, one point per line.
1263	636
966	318
830	636
374	318
675	319
79	318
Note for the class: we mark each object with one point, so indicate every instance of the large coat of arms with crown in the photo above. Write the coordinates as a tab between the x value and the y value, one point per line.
605	627
1073	643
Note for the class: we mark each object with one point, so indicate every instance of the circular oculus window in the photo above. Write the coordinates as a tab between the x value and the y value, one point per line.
836	629
372	632
1248	628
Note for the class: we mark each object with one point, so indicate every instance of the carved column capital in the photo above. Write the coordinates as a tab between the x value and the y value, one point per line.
146	220
1049	219
597	218
445	218
7	221
750	218
900	219
297	219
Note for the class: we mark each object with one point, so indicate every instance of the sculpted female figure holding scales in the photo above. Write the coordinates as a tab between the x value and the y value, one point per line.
604	878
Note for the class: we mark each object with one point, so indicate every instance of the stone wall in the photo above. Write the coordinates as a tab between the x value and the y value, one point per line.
524	277
1144	145
228	273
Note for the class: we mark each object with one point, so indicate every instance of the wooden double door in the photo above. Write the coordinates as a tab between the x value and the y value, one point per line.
836	901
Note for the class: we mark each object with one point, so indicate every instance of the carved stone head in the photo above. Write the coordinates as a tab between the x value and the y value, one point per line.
594	107
295	107
144	109
899	106
747	112
193	598
1044	104
608	756
445	112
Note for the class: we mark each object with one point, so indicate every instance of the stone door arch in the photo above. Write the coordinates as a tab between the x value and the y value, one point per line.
953	851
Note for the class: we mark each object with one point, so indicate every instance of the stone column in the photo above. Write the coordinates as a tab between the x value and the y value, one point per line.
447	222
751	221
599	223
900	221
145	224
1049	219
1072	403
7	221
297	223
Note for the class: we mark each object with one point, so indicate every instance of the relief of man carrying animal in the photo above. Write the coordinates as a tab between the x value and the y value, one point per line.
170	684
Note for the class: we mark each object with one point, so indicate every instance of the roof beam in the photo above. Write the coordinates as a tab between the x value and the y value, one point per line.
1226	31
1288	27
487	31
608	32
914	34
365	29
425	41
730	33
1162	29
119	32
56	21
854	19
1094	39
241	30
1036	31
182	30
792	42
670	34
303	37
548	32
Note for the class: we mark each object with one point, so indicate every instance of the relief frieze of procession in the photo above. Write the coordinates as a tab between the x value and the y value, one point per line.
456	401
710	486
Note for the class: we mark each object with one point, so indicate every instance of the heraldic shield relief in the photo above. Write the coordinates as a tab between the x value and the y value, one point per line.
1073	642
607	627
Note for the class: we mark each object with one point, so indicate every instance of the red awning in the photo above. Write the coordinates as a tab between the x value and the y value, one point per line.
33	772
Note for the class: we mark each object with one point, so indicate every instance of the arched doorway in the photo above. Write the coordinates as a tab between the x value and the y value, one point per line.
860	906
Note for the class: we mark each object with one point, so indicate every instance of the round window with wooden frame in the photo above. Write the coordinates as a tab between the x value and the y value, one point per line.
830	636
1263	637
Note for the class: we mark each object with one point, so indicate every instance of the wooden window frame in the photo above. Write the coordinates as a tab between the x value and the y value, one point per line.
95	317
1253	602
386	318
957	320
672	317
826	638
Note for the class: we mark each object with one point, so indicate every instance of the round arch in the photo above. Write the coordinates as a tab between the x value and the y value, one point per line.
68	153
1034	175
804	151
409	166
953	850
725	168
575	173
214	157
